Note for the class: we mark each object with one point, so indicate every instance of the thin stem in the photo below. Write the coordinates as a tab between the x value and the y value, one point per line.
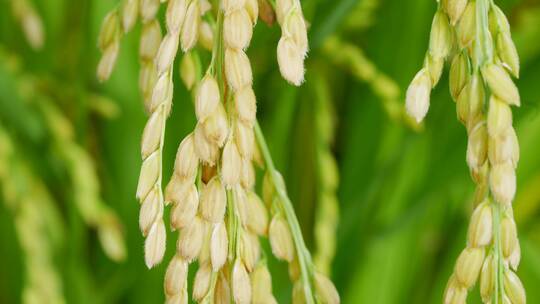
483	48
233	226
499	285
216	63
497	252
484	54
304	257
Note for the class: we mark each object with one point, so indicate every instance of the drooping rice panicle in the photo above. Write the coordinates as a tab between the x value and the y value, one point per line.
75	161
286	238
178	17
215	208
476	35
85	183
156	89
37	225
327	215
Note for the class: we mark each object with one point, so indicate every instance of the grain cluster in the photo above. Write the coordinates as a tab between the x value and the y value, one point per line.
212	195
474	36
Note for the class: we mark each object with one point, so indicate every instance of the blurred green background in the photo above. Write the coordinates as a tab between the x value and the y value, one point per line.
404	193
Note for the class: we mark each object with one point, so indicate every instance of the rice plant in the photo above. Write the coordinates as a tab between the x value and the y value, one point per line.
214	206
262	151
477	35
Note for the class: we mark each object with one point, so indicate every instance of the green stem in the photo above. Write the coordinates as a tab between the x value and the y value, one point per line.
483	48
233	226
483	54
304	257
216	63
324	131
499	285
